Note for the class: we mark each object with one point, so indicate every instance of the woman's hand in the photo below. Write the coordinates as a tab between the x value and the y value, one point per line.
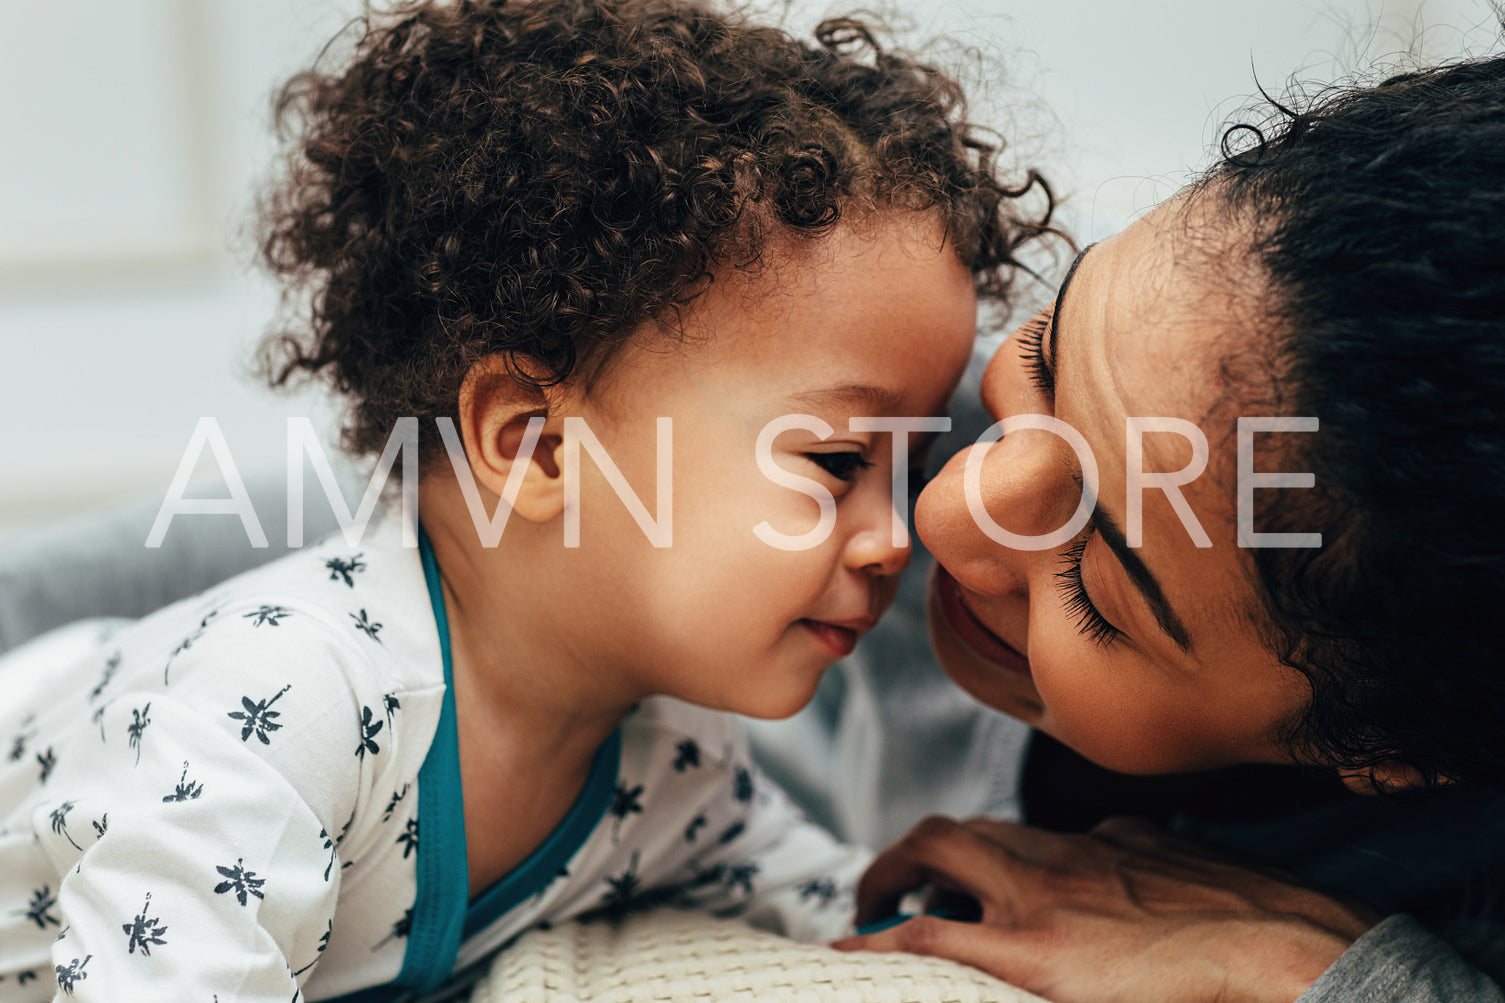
1126	913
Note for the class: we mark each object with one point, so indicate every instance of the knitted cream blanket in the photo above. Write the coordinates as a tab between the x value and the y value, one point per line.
669	956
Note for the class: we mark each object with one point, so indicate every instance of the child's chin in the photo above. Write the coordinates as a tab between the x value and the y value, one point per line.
774	705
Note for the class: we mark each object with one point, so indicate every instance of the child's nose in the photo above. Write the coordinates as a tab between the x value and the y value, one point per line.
872	548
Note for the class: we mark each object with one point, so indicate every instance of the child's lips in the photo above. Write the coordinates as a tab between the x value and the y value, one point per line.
840	636
970	630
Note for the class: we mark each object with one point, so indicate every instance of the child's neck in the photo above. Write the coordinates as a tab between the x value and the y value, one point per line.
531	712
518	666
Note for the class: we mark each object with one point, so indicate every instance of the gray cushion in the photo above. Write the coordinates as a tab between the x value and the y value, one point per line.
99	564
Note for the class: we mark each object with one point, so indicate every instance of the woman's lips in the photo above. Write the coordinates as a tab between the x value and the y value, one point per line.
969	630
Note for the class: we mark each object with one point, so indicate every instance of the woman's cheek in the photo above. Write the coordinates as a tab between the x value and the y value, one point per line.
1099	705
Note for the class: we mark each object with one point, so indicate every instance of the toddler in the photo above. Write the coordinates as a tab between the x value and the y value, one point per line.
600	250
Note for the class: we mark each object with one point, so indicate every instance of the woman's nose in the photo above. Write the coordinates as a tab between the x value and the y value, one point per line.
1024	487
1023	492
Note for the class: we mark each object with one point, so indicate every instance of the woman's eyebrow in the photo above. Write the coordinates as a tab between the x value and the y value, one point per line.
1144	580
1139	573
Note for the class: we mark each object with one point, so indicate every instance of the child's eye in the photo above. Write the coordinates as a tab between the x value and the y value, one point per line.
842	466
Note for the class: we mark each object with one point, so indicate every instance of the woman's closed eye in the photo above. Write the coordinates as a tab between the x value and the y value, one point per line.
1031	338
843	466
1089	621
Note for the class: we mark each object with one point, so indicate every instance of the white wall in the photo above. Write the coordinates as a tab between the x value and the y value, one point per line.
133	134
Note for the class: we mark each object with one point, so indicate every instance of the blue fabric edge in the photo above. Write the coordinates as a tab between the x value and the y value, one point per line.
442	870
440	919
541	867
443	873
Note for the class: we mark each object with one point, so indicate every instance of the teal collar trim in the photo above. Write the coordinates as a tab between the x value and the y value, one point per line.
547	862
441	918
443	875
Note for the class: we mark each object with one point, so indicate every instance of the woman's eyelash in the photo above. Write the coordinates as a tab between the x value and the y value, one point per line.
1089	621
1031	338
842	466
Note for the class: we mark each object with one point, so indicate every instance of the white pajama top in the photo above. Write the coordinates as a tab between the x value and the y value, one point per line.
254	794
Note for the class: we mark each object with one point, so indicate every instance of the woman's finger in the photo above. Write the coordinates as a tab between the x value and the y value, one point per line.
941	851
1018	957
1123	914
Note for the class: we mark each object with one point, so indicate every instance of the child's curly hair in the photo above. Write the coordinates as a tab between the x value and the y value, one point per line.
538	179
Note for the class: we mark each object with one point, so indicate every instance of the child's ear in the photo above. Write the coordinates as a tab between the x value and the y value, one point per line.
496	407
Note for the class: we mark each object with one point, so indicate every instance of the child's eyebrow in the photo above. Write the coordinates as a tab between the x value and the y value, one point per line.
877	400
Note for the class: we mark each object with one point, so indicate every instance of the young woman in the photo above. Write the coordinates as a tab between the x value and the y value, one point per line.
1342	271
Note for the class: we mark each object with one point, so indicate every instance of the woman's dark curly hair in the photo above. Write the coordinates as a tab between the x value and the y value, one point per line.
1379	219
538	179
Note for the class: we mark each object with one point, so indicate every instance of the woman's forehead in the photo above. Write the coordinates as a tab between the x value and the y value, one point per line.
1145	329
1151	318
